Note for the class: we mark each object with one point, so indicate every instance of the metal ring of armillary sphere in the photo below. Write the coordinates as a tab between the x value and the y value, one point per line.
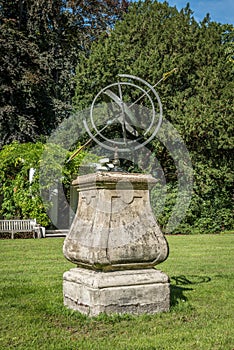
140	122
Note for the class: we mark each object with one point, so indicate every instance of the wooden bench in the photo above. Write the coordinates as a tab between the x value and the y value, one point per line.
17	226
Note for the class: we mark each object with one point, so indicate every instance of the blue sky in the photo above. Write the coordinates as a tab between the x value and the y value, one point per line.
220	10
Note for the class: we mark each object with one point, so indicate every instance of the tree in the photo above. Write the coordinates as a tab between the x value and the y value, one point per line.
154	38
40	45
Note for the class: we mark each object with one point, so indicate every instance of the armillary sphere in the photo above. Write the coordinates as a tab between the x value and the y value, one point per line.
134	105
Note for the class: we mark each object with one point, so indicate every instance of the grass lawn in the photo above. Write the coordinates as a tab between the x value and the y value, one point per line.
32	315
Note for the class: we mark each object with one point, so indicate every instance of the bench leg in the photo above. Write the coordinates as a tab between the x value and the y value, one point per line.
40	232
12	234
37	233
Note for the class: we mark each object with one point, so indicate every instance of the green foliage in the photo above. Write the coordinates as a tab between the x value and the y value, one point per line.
22	199
152	39
210	214
40	46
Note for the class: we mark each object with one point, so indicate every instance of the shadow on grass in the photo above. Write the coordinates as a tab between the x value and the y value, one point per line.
182	284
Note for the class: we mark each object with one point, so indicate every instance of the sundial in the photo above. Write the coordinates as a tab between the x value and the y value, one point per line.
131	107
139	122
114	240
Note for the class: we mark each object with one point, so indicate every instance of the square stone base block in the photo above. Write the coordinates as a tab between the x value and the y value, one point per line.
129	291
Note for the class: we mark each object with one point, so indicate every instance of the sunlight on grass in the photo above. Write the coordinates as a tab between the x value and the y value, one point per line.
201	315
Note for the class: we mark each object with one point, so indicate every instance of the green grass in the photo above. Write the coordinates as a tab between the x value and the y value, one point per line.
32	315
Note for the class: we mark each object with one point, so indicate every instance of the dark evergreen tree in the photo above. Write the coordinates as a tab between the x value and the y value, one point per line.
152	39
40	44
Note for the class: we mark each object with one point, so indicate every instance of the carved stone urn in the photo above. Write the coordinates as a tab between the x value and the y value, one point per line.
115	243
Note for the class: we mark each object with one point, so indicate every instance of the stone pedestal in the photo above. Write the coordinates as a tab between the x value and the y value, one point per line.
115	242
128	291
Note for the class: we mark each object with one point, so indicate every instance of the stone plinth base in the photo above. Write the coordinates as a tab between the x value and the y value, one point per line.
129	291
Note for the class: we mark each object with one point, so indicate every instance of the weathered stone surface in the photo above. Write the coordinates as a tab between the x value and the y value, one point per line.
114	227
115	241
130	291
